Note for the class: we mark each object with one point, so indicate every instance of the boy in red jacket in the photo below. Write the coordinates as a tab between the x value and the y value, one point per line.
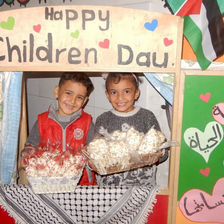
65	122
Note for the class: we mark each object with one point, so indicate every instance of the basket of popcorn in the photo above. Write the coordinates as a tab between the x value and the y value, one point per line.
52	171
123	151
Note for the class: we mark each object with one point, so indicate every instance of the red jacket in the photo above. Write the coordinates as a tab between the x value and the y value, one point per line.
74	135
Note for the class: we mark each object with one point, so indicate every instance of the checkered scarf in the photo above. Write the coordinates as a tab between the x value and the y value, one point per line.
87	204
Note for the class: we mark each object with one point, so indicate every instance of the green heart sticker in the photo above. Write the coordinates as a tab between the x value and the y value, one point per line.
9	25
75	34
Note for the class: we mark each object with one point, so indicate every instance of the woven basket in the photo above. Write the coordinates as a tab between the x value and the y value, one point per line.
47	185
134	163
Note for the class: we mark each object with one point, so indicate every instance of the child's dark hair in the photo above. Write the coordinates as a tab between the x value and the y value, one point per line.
115	77
79	77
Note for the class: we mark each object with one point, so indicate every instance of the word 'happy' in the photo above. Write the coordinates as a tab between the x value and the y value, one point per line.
72	15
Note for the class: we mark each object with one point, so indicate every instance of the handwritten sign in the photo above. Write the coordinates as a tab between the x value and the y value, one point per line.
199	206
204	142
84	37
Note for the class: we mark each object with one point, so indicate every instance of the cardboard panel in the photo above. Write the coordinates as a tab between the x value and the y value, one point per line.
88	38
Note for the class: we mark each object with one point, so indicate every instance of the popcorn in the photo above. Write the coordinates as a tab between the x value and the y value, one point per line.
118	149
43	172
98	148
71	171
133	138
73	159
56	171
32	162
31	171
47	155
121	151
67	163
151	141
119	135
41	162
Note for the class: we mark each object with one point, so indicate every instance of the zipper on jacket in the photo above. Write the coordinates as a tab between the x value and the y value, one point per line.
64	139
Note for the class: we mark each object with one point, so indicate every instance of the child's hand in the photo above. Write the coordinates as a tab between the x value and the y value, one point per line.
22	164
164	157
25	156
92	166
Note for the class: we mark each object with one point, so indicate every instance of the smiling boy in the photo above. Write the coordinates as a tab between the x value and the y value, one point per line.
65	122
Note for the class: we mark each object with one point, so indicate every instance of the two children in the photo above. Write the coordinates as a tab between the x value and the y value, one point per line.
67	123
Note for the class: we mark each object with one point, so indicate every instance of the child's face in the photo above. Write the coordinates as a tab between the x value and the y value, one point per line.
71	97
122	95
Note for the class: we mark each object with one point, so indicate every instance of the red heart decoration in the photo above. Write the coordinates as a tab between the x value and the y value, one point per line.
105	43
205	172
205	97
167	42
37	28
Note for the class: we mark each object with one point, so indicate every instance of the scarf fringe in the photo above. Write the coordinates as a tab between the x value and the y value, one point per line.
10	212
151	206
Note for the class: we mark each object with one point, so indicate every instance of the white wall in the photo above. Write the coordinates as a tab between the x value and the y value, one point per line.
40	90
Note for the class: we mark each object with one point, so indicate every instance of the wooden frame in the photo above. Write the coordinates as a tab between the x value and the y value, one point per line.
60	38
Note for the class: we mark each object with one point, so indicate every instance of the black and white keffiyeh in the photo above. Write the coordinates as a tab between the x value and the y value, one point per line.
87	204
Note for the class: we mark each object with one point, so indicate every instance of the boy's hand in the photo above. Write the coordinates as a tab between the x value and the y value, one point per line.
92	166
25	155
22	164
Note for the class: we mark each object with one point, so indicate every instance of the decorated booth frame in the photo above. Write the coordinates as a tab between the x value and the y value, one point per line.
94	39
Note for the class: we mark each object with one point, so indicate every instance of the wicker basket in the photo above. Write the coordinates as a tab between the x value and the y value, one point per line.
47	185
134	163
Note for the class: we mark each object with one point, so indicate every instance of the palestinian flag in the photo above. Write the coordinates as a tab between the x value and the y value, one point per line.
203	27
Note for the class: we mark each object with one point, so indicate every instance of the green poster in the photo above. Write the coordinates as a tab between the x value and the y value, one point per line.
202	145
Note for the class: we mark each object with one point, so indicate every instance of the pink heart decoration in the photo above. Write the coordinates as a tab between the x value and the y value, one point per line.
167	42
205	97
218	112
199	206
205	172
105	43
37	28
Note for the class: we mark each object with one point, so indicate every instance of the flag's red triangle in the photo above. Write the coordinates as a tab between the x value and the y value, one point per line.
190	7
